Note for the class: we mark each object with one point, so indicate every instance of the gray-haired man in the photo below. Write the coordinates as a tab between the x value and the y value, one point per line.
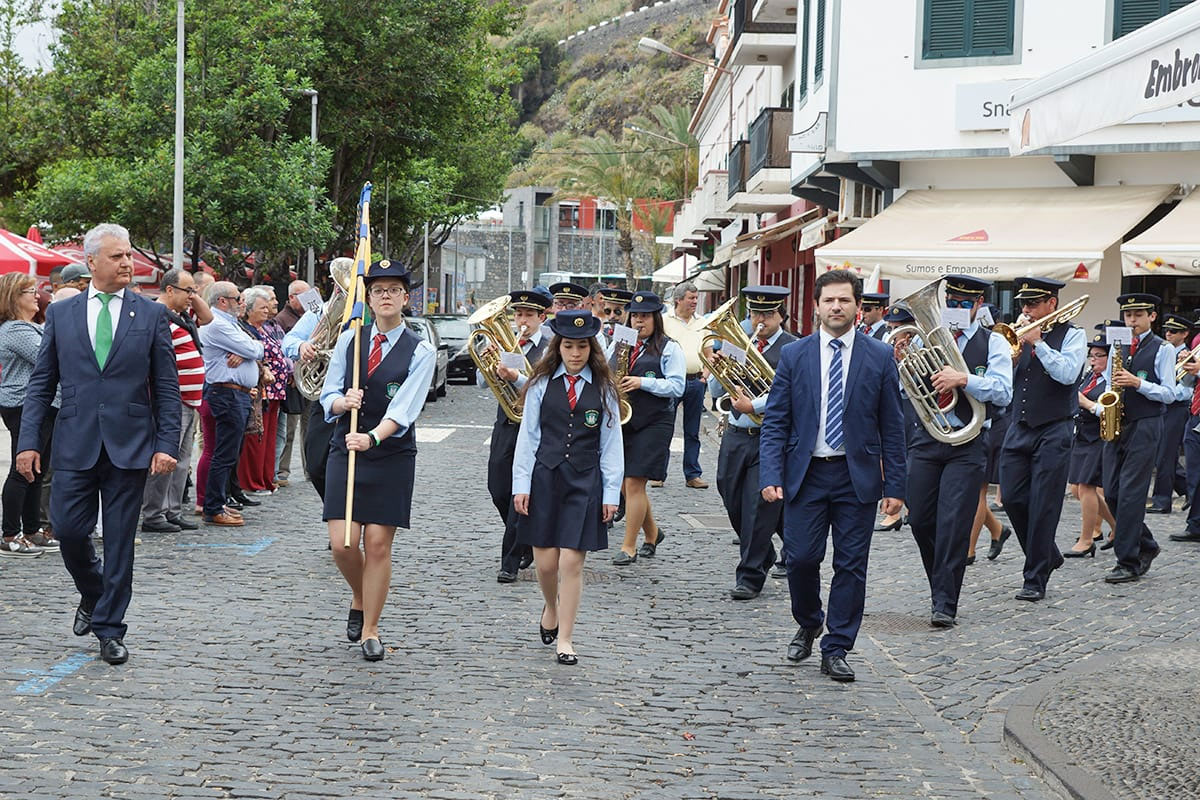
686	297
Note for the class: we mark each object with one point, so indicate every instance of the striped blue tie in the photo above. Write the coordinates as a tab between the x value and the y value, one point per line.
833	409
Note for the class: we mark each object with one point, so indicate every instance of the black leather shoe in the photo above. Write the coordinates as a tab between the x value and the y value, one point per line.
970	560
113	651
1121	574
998	544
526	560
160	527
504	576
183	524
837	668
743	592
246	500
648	550
1032	595
940	619
354	624
1109	543
234	504
891	526
83	621
1153	509
372	649
1145	560
567	659
779	571
623	559
548	634
800	647
1185	537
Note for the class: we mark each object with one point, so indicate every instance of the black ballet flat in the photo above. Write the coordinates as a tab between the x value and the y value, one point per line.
891	526
1108	543
372	650
548	635
354	625
1089	553
568	659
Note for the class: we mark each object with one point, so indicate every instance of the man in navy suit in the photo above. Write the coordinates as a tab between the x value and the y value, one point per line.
110	351
830	473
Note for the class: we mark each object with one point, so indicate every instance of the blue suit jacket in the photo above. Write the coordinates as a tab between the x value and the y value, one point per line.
132	407
873	428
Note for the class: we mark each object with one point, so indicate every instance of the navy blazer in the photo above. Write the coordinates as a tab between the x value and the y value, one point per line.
873	423
132	407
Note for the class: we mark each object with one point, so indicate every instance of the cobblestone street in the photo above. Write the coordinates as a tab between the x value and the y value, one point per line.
241	682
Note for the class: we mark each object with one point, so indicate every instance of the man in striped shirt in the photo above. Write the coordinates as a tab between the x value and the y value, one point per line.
162	502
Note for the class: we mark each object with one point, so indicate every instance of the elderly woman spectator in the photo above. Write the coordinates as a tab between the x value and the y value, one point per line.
256	469
20	339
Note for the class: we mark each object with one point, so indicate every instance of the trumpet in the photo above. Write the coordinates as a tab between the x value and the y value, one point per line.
1013	335
1180	368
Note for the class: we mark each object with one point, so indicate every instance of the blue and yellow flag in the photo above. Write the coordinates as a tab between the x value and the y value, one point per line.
356	309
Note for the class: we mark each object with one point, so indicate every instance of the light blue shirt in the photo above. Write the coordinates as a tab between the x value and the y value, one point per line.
760	402
995	385
534	340
874	329
674	366
1164	365
529	438
406	404
299	334
220	338
1183	391
1066	365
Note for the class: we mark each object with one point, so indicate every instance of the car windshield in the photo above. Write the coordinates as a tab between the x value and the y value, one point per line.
456	328
419	326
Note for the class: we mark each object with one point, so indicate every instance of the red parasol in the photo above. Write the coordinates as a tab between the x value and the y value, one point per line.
18	254
34	235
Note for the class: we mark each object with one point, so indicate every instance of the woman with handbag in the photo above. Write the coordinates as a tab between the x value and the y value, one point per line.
256	467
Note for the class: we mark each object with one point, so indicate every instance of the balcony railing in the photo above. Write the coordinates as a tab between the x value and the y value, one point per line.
769	140
737	167
740	17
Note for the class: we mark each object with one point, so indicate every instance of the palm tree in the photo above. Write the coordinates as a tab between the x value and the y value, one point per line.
678	167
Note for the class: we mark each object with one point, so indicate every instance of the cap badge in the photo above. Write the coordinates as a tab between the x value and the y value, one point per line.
384	264
638	299
579	322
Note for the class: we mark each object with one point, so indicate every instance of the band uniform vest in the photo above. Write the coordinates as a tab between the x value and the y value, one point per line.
647	408
378	390
1137	406
975	354
534	354
1038	399
772	355
1087	424
571	435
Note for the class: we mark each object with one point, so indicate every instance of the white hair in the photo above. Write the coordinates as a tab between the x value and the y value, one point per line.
254	294
91	239
681	291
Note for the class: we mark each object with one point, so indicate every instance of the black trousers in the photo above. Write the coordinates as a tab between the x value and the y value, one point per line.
22	499
754	519
1169	477
943	493
1127	465
105	588
316	446
1033	476
499	482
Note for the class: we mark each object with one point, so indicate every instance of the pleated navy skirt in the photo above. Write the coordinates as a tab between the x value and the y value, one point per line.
1086	467
383	488
647	450
565	509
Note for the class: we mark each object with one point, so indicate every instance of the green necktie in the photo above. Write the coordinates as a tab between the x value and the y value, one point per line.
103	330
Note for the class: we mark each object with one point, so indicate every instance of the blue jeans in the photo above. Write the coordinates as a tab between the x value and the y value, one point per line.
693	409
230	409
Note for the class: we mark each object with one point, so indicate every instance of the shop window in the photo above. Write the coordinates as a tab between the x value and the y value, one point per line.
968	28
1129	15
568	216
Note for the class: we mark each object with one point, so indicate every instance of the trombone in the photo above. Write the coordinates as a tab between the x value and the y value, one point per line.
1013	335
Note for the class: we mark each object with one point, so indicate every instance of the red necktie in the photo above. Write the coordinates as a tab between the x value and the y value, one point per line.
571	397
522	343
376	352
1133	347
1092	383
1195	408
762	345
637	351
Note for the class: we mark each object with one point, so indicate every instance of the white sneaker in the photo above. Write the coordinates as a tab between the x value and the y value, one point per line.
19	547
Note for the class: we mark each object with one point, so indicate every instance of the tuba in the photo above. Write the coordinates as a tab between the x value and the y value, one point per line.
496	335
752	378
310	375
1064	314
1112	401
936	351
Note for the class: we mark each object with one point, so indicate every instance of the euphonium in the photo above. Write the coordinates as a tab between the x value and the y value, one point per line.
310	375
1112	401
752	378
622	352
936	351
498	337
1013	335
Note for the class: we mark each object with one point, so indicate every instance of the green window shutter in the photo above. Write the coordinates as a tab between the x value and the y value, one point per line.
1129	15
1175	5
992	28
819	54
804	53
945	28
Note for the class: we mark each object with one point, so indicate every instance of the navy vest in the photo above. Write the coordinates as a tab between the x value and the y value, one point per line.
647	408
378	391
975	354
772	355
570	435
535	353
1136	405
1038	399
1087	424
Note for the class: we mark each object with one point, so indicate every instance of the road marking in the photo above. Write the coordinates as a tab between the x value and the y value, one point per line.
248	549
41	681
677	445
425	435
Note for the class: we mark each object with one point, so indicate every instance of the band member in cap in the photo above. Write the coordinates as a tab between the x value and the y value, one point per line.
1191	443
874	307
1037	450
567	469
529	314
397	366
754	519
1169	477
612	311
944	479
566	296
655	378
687	329
832	445
1085	475
1147	382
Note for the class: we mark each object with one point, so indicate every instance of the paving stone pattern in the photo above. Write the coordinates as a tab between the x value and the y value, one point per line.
241	683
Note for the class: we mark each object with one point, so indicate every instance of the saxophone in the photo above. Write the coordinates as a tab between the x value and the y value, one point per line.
622	353
1112	402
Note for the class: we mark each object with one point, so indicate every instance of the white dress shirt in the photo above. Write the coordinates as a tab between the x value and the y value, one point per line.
847	339
94	304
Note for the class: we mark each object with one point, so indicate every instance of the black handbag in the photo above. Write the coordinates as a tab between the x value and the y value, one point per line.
294	402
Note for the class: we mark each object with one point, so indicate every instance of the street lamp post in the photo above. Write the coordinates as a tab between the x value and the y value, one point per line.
312	257
177	216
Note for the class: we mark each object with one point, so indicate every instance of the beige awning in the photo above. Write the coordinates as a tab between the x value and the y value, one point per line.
710	280
776	231
1169	247
676	271
997	234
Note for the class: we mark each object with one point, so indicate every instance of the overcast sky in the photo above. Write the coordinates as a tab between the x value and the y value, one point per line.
33	44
